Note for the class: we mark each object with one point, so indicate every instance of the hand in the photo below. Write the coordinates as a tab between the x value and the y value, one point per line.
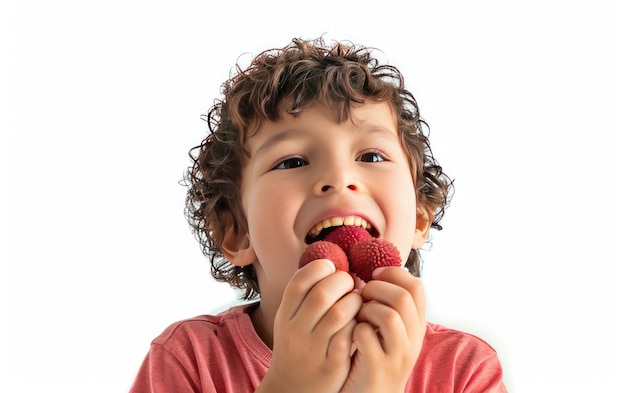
389	334
313	331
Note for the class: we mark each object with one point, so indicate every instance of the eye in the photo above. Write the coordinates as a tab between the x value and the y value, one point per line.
372	156
290	163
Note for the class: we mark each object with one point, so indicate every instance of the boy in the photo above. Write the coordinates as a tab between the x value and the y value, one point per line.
308	137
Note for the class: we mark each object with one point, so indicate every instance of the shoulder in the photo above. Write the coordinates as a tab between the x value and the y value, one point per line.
205	331
445	339
205	353
456	361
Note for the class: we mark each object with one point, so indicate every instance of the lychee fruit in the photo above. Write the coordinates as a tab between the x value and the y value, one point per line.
347	236
367	255
325	250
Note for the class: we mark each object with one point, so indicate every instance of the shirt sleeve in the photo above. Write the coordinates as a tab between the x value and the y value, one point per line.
487	377
162	372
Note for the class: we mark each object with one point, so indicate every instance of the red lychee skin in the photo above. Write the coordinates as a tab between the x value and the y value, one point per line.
325	250
367	255
347	236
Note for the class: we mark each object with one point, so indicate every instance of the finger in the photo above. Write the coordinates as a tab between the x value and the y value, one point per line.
322	298
391	331
301	283
402	292
367	341
339	315
358	283
392	296
401	279
341	344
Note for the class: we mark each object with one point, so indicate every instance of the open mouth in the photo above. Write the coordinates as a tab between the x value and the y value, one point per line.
323	228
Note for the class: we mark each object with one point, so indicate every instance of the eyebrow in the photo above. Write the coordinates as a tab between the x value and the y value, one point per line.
286	134
383	131
274	139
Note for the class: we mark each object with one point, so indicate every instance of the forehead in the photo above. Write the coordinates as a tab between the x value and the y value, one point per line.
367	117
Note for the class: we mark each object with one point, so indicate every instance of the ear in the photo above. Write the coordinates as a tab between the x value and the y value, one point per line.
237	248
422	228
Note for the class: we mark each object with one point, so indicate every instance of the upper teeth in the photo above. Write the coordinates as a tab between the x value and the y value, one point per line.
339	221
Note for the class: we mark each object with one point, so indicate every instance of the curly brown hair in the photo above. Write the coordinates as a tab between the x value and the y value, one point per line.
337	75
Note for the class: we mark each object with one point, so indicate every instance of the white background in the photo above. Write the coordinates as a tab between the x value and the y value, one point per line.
105	101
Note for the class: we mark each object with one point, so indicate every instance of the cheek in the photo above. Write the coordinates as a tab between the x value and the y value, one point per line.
265	201
401	214
270	226
270	212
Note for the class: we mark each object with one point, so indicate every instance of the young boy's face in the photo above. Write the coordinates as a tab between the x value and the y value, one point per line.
306	169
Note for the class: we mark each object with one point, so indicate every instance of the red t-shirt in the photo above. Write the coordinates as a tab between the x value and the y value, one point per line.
223	354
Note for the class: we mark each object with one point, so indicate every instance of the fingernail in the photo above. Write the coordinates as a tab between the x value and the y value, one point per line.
377	271
332	265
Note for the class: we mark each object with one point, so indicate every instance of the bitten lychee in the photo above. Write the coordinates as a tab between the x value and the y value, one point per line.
367	255
325	250
347	236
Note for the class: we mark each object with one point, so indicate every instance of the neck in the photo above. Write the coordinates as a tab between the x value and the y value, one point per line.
263	321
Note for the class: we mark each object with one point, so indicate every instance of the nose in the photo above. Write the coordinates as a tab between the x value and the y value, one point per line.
352	187
336	178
